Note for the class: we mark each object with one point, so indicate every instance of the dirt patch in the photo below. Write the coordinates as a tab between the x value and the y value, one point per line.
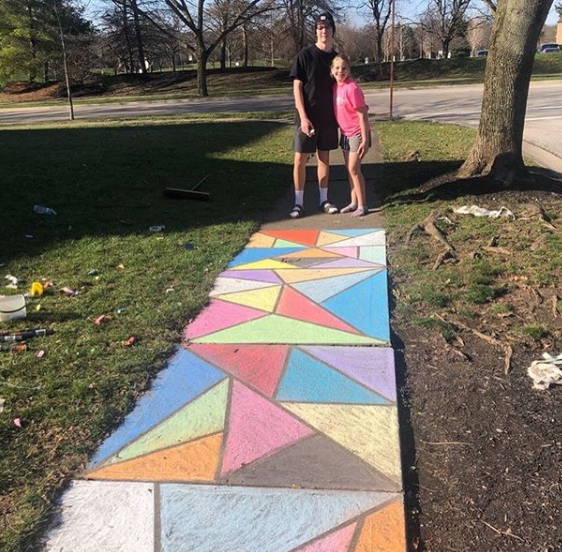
484	449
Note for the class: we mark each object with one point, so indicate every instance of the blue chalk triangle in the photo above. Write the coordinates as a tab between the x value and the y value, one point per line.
254	254
185	377
364	306
309	380
353	233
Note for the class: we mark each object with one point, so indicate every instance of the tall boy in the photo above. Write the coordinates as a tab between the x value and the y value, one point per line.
316	127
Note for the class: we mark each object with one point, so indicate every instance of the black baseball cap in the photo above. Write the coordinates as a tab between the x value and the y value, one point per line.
325	18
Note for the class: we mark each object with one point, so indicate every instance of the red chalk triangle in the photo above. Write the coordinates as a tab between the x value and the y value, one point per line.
304	237
257	428
259	366
296	305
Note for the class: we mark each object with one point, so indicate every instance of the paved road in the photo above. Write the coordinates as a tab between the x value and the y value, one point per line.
452	104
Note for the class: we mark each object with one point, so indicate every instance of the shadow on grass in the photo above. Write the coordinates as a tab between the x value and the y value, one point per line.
109	181
414	182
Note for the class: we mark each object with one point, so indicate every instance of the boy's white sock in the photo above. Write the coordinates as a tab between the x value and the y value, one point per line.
299	197
323	195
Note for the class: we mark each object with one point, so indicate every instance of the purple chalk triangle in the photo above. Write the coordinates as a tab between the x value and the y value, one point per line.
371	366
257	275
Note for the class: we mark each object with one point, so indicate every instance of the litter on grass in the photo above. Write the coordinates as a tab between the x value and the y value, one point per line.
12	279
17	422
69	291
2	403
188	246
42	210
92	272
157	229
481	212
130	342
36	289
547	372
12	307
100	320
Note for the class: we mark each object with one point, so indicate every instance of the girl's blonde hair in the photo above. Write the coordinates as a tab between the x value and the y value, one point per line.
343	58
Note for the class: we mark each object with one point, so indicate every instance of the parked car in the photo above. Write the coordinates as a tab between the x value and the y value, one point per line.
548	48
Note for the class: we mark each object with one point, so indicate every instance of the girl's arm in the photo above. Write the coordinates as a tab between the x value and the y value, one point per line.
363	113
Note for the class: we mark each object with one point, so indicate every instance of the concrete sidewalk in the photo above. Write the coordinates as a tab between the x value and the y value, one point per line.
274	428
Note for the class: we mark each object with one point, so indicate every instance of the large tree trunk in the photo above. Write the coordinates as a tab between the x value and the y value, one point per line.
497	150
246	46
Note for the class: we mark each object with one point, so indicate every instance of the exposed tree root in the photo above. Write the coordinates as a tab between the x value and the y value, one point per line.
428	226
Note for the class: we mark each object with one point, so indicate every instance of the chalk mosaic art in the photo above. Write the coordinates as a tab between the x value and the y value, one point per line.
274	428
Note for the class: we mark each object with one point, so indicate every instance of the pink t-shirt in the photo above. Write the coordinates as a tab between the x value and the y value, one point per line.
348	98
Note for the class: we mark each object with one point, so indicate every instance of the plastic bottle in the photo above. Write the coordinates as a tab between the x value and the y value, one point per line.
42	210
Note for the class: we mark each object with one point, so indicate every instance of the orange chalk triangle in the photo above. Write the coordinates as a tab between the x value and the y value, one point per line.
304	237
384	531
194	461
296	305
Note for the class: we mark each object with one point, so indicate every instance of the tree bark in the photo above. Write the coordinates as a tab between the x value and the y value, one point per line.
138	35
497	151
202	56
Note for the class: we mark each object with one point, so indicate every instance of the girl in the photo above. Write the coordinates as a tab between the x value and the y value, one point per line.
353	120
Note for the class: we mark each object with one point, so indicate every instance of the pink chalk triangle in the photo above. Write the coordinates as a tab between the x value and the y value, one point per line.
256	429
219	315
338	541
352	252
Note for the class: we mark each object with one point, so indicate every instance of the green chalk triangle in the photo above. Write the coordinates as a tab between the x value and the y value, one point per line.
286	243
204	416
280	329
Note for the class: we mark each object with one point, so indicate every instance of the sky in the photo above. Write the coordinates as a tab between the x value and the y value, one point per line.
407	8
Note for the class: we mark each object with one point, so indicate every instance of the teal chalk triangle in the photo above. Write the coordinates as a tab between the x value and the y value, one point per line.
353	233
373	253
364	306
254	254
309	380
320	290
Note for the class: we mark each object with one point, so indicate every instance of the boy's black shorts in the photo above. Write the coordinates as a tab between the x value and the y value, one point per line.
324	139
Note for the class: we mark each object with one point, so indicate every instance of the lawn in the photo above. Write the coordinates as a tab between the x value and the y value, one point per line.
106	183
263	80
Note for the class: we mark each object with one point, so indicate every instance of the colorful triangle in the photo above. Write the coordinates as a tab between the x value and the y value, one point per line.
315	253
384	530
371	366
336	541
194	461
369	316
260	240
327	238
261	299
257	428
203	416
258	366
370	432
266	264
279	329
184	378
219	315
320	290
257	275
316	462
252	255
309	380
236	285
305	275
304	237
295	305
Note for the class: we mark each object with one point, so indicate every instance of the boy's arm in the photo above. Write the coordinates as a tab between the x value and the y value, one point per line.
363	113
306	125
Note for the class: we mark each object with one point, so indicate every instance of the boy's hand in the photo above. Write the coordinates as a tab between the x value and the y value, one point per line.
307	127
362	149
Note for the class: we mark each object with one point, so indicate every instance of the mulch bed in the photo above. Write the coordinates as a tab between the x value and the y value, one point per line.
482	449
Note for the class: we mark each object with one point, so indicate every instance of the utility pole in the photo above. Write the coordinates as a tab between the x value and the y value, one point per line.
393	9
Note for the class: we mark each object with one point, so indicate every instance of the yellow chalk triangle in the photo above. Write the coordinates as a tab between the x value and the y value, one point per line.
312	253
266	264
325	238
262	299
260	240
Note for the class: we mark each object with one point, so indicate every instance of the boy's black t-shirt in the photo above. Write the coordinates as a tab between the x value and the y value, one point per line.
312	67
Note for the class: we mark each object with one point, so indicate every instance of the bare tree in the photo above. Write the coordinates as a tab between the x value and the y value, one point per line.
379	14
446	20
497	150
478	33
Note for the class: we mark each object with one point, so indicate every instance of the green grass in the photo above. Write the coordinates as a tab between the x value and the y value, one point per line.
236	82
106	183
534	331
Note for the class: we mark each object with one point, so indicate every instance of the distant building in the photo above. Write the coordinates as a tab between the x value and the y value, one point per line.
559	32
